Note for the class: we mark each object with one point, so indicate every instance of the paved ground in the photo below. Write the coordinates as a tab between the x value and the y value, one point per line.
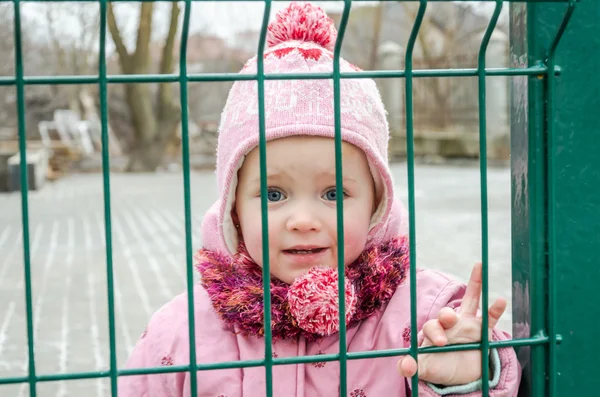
68	260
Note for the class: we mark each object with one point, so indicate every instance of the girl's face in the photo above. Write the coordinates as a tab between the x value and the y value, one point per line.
302	204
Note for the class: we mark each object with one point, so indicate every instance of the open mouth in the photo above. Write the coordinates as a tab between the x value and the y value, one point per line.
304	251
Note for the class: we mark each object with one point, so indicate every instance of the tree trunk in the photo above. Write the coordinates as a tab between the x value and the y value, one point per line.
374	57
148	155
154	118
145	159
151	136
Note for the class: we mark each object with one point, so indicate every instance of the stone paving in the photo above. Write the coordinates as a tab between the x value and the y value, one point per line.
68	260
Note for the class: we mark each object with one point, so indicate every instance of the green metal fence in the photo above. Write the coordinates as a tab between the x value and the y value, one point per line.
540	254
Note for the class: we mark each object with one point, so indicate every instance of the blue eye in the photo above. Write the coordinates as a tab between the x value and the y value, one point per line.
331	195
274	195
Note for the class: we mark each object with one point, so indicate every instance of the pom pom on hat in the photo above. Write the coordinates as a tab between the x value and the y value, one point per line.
303	22
313	300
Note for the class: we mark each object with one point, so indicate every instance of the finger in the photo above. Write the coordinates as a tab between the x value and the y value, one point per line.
470	302
496	311
434	331
447	318
407	366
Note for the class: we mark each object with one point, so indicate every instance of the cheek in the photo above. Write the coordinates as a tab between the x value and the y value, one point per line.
252	234
356	230
253	245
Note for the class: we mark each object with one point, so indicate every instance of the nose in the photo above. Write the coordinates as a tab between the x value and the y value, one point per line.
303	219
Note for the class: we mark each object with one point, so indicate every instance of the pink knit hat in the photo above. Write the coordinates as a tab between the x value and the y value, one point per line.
301	40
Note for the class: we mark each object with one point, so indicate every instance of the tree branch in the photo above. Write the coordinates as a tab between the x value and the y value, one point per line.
60	63
426	27
90	36
117	39
142	45
165	98
166	63
378	16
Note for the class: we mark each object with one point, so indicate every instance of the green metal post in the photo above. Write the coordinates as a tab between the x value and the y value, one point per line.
575	199
556	200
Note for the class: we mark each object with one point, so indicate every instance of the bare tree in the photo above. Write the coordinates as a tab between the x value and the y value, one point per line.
37	97
155	119
63	40
7	61
449	37
72	54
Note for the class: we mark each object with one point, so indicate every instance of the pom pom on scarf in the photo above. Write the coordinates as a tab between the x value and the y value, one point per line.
313	300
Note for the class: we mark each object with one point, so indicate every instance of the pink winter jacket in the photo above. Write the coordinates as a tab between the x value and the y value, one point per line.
165	343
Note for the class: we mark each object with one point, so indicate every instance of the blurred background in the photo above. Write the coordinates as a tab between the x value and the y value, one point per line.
144	119
66	207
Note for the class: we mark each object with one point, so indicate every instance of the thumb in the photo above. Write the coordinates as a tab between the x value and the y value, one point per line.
407	366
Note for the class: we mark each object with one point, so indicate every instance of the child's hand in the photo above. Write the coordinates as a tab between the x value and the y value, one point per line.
454	368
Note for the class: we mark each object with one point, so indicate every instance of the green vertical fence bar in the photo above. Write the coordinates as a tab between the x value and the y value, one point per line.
19	66
339	195
185	153
484	201
262	143
410	152
103	87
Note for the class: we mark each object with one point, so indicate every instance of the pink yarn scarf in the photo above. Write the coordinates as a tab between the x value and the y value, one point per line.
235	287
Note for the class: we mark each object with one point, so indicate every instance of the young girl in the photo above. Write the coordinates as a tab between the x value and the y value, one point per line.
303	251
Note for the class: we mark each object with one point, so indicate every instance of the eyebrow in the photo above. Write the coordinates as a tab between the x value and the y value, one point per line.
271	174
330	174
276	174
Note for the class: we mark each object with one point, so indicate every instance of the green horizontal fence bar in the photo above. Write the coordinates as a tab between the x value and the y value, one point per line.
535	341
543	69
539	70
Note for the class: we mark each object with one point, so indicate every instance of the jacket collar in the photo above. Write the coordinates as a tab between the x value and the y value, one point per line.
235	287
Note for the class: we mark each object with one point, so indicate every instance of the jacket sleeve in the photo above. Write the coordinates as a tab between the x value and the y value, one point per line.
157	347
504	366
165	343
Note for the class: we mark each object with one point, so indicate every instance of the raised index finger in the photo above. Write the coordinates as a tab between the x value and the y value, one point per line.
470	302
